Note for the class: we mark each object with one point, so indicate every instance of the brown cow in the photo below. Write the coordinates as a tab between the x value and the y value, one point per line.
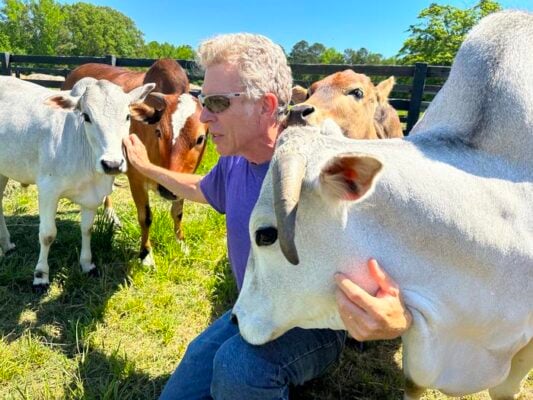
174	136
361	109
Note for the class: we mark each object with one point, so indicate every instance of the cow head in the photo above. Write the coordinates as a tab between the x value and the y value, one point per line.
170	127
104	110
360	108
301	210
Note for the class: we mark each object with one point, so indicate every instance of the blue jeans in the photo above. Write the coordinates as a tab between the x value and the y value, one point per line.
219	364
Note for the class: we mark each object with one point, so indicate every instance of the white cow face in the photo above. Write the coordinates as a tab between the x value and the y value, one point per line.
105	110
278	295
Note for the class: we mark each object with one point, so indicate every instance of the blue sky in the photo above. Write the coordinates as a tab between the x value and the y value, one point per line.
378	25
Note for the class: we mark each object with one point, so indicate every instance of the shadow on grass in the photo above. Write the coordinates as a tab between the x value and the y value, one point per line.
112	377
74	301
369	374
224	292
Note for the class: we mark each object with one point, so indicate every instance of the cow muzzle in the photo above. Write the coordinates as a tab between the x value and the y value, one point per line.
166	194
299	113
113	167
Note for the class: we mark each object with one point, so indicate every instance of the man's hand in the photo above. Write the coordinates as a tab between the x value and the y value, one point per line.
136	152
368	317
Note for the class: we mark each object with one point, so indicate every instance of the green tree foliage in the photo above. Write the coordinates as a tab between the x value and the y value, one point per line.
49	34
46	27
442	29
331	56
303	53
364	56
98	31
15	26
161	50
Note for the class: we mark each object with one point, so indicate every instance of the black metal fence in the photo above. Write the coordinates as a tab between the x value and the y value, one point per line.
416	84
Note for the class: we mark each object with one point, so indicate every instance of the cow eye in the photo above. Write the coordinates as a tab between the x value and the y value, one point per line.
266	236
86	117
357	93
158	133
128	117
200	140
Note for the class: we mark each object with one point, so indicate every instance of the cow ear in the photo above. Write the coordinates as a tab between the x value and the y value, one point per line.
156	100
63	101
349	176
384	88
140	93
144	113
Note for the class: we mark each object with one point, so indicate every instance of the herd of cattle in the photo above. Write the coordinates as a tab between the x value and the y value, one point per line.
447	210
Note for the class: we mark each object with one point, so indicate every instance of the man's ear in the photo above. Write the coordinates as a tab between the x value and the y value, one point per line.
269	105
349	176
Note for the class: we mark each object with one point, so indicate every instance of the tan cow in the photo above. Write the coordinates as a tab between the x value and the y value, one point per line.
361	109
174	136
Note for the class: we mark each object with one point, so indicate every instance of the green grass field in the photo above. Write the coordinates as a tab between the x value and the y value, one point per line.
121	334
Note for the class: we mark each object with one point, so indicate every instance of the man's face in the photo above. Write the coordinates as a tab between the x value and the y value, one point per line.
235	129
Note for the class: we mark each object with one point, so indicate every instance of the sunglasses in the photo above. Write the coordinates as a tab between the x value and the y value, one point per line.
216	103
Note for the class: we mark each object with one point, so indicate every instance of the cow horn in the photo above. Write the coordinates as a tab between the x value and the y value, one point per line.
287	177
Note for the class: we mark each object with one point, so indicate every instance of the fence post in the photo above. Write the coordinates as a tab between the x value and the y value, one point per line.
5	68
419	80
111	60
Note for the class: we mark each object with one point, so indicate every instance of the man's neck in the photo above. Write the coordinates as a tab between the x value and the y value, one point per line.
265	149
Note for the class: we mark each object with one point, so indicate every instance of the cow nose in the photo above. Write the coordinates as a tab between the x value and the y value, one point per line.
112	167
234	319
165	193
299	113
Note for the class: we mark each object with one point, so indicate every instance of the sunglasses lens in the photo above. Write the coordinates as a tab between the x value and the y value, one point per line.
216	104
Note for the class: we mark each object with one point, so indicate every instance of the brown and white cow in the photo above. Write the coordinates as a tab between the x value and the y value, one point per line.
174	136
361	109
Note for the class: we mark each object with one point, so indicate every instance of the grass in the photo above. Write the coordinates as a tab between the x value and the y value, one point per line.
121	334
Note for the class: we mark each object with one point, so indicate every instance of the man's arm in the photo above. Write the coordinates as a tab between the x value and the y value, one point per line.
367	317
183	185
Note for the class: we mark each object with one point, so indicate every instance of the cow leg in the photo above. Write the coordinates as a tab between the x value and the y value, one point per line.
176	211
412	391
109	212
177	215
521	364
5	239
87	219
47	234
144	216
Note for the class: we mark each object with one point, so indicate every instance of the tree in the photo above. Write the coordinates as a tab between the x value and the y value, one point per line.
438	37
98	31
15	27
49	34
302	53
159	50
331	56
362	56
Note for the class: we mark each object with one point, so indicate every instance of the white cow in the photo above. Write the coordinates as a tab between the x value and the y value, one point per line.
70	145
447	211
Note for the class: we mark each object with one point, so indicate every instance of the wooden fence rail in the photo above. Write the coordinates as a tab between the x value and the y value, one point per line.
416	87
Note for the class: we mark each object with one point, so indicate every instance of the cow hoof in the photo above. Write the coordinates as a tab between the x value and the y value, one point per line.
94	273
148	260
184	248
40	288
7	248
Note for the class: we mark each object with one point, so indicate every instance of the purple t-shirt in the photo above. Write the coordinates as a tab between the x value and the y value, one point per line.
232	188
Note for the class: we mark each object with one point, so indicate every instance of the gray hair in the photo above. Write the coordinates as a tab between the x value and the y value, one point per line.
261	63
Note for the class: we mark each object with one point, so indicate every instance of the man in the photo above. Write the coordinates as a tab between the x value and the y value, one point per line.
246	90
